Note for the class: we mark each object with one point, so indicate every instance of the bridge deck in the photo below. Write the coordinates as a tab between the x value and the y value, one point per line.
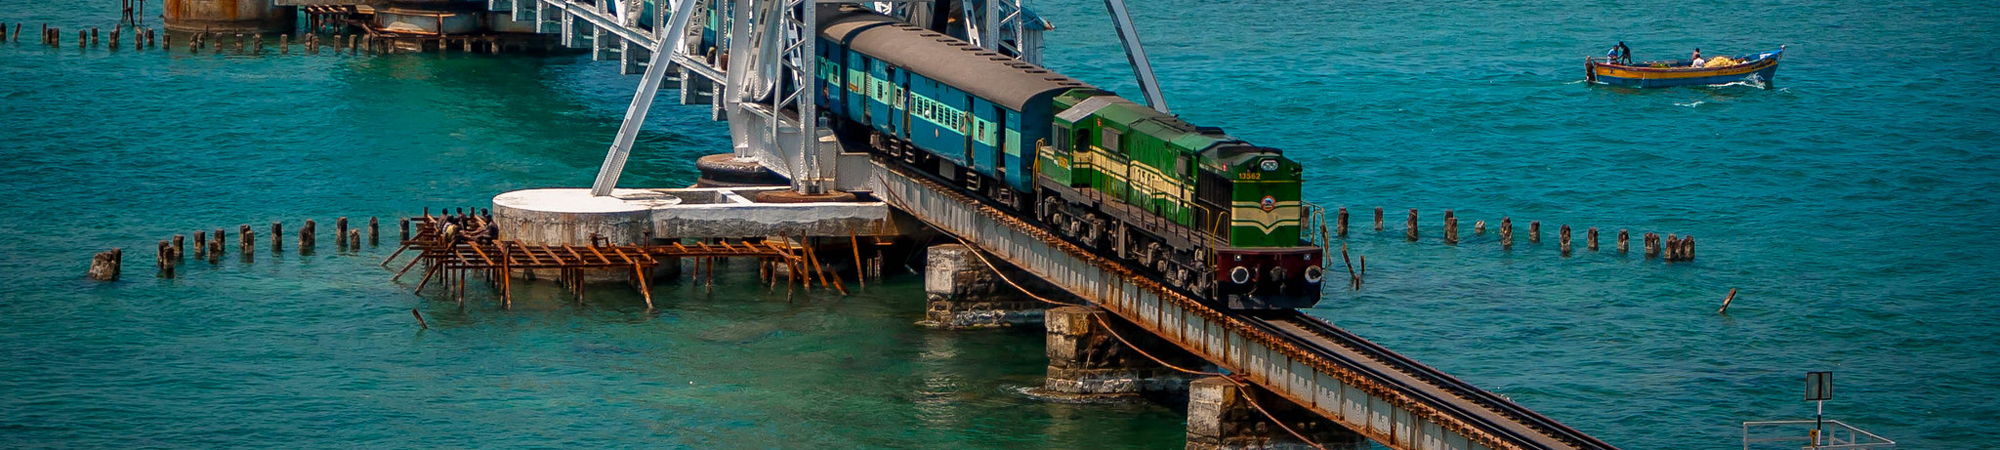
1383	395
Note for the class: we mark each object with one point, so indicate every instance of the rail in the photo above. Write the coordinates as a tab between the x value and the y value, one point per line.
1382	395
1805	434
1492	412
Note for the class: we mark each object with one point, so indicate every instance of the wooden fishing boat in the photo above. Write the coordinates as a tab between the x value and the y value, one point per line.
1754	68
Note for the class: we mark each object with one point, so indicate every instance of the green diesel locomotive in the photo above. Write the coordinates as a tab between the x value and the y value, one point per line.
1204	212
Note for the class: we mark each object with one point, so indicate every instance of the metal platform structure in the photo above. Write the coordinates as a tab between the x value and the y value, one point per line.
758	78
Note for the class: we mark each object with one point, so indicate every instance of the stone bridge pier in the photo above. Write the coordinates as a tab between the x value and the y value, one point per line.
1221	417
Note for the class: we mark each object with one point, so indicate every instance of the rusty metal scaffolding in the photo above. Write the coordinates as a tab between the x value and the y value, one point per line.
454	261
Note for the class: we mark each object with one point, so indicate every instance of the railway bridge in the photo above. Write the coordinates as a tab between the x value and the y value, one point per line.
1336	375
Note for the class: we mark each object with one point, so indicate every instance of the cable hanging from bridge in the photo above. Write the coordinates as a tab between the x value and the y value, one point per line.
1240	384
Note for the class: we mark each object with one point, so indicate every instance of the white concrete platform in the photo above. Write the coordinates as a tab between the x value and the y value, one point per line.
649	216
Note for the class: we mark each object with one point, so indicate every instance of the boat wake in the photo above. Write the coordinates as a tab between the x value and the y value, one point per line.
1753	81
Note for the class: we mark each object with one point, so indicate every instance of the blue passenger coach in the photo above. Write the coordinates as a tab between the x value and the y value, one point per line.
981	111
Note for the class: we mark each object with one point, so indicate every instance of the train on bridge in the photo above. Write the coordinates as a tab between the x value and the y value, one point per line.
1207	213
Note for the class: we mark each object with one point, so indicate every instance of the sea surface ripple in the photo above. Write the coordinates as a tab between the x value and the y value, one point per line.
1850	206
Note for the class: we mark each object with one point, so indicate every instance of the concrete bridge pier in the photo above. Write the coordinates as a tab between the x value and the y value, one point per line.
574	217
962	292
1221	417
1087	360
229	16
726	170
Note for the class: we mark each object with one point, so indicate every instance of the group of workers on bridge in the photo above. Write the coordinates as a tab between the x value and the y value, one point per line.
463	227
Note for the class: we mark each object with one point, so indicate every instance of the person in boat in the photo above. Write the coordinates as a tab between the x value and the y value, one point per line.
1611	57
1624	54
1696	61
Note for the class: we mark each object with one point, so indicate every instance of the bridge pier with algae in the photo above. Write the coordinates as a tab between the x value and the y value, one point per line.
962	291
1225	414
1088	359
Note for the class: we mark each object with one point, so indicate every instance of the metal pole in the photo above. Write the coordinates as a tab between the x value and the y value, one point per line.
670	42
1135	52
1819	423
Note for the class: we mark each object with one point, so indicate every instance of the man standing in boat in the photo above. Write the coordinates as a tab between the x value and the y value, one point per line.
1696	61
1624	54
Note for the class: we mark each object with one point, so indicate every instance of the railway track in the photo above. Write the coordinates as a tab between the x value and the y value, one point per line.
1477	407
1487	410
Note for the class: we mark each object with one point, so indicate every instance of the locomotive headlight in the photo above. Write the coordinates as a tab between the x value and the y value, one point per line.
1269	165
1239	275
1314	274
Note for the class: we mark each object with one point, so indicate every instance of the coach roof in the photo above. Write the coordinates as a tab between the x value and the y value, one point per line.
997	78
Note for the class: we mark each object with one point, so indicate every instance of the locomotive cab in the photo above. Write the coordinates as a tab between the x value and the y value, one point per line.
1262	263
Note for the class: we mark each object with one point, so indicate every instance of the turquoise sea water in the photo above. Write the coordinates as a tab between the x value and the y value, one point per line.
1851	206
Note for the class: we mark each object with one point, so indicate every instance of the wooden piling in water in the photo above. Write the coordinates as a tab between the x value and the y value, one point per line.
404	223
307	238
1411	234
257	47
151	34
1506	232
1624	241
1378	218
1652	245
113	42
1340	227
93	37
106	264
1563	237
277	237
1450	227
164	258
340	232
374	233
354	239
200	244
180	246
215	248
82	39
246	240
1590	239
1687	250
1479	228
1534	231
284	44
1669	248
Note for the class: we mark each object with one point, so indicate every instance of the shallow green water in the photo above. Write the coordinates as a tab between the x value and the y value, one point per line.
1850	206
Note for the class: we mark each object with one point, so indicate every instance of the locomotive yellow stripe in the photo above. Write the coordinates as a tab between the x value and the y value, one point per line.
1146	177
1251	214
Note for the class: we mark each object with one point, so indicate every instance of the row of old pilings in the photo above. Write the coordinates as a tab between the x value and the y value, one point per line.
1672	249
212	246
253	43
